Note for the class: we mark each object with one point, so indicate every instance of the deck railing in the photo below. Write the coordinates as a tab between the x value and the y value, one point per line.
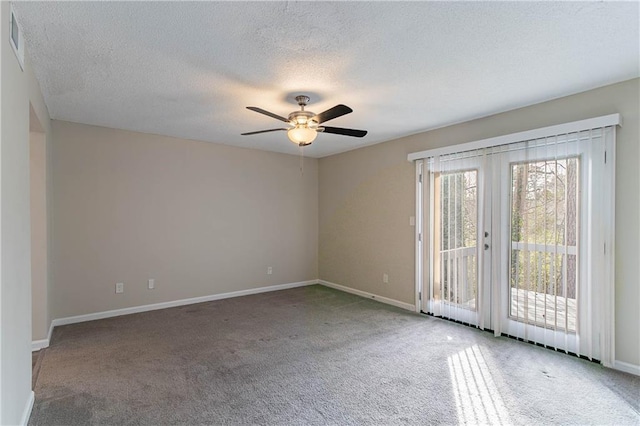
546	295
459	276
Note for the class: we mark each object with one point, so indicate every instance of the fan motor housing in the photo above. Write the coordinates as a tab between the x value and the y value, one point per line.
303	117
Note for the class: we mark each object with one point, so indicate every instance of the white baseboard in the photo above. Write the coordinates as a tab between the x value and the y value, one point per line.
368	295
27	409
50	332
36	345
174	303
43	343
626	367
40	344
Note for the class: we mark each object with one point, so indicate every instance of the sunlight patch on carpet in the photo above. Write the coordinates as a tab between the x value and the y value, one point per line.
477	398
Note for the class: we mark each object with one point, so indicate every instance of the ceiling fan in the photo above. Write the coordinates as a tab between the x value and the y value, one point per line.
305	125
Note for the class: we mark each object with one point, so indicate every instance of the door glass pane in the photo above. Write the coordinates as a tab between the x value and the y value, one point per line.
544	245
456	196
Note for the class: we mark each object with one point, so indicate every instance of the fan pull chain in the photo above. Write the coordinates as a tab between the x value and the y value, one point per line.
301	160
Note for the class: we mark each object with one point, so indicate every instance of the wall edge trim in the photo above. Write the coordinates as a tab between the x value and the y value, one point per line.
627	367
26	414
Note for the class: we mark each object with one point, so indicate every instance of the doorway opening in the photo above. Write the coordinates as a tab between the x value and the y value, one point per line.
38	176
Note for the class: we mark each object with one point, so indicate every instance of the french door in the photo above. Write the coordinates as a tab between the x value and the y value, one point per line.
542	213
456	240
513	239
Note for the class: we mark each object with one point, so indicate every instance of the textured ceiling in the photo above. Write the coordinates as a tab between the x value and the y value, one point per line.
189	69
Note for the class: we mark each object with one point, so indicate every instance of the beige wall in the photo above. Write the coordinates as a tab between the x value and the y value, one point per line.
18	89
199	218
39	225
368	195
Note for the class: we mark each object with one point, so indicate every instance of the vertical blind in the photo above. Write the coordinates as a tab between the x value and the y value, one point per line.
515	239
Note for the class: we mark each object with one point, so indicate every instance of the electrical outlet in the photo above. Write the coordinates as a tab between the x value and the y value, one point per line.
269	270
385	278
152	283
119	287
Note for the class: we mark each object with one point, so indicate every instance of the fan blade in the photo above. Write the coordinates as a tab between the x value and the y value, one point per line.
345	132
270	114
261	131
331	113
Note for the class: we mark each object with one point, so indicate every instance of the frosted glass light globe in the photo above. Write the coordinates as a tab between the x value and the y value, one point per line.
302	135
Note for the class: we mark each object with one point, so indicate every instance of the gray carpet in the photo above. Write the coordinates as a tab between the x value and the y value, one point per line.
314	355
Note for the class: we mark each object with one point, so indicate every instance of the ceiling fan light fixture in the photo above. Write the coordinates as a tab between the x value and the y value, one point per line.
305	125
302	135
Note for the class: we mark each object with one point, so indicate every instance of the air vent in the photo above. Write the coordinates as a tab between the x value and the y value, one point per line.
15	38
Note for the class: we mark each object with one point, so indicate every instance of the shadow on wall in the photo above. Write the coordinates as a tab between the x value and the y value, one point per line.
360	242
